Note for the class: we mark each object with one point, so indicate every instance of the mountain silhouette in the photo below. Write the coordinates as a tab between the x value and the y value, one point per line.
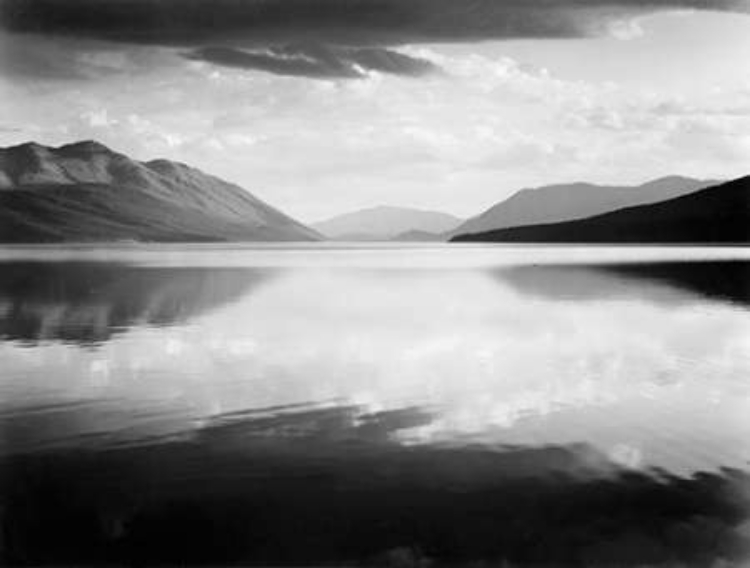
719	214
385	223
565	202
86	192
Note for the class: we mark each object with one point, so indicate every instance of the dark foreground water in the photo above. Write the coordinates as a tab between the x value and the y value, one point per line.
424	406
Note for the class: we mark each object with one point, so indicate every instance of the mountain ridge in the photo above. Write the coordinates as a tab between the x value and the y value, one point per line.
717	214
577	200
385	222
55	193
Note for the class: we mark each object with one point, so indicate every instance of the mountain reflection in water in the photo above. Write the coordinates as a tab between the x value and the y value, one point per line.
557	413
88	303
656	281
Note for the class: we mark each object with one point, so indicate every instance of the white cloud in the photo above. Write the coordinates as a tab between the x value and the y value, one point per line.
98	118
458	141
625	29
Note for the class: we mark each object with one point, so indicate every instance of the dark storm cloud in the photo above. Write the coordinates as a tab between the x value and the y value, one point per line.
257	33
191	22
317	60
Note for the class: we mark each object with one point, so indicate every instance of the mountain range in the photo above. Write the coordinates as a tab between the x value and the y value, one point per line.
716	214
86	192
565	202
547	204
384	223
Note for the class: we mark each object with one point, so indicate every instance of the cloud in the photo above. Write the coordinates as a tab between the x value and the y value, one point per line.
71	59
21	57
98	118
256	34
184	22
317	60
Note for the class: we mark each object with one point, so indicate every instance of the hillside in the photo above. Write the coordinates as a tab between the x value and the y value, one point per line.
719	214
87	192
385	223
565	202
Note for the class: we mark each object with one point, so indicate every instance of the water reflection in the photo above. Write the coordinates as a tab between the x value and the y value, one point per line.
331	486
553	411
88	302
655	281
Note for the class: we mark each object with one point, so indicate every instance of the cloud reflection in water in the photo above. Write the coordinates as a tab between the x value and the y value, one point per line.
509	355
454	414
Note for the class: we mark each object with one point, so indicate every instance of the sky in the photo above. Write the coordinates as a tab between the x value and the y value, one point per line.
326	106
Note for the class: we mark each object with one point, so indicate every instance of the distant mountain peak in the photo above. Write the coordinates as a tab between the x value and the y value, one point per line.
670	177
570	185
383	222
675	179
81	147
164	166
85	146
164	162
27	148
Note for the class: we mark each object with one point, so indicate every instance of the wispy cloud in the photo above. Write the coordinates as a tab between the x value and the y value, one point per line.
317	60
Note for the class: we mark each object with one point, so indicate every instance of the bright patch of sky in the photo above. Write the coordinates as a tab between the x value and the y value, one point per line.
658	95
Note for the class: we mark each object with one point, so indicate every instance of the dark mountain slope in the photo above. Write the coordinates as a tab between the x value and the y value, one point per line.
719	214
566	202
86	192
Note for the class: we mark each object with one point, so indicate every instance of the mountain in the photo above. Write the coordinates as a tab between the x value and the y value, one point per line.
416	236
553	203
86	192
385	223
719	214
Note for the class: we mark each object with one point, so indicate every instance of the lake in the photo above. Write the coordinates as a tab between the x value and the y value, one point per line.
375	404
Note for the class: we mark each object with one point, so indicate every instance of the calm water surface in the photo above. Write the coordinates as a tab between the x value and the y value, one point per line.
381	405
